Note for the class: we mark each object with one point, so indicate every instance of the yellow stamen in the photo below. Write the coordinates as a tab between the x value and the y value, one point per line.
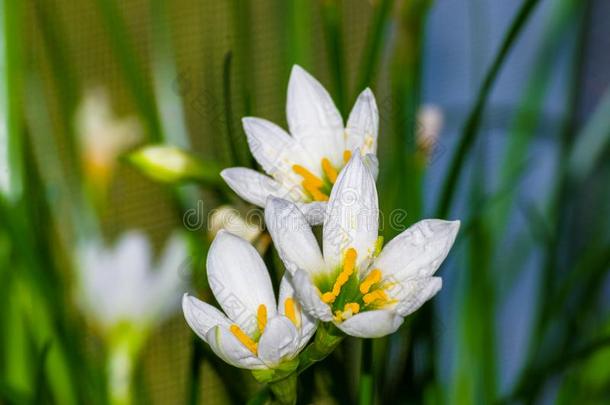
308	176
348	269
243	338
372	278
329	170
261	317
311	183
377	295
328	297
316	194
352	306
290	311
347	154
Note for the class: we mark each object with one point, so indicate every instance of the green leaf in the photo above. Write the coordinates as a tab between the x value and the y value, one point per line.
473	123
10	99
592	142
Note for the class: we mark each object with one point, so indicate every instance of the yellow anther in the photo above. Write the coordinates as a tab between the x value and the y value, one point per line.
329	170
290	311
348	269
316	194
311	183
377	296
347	154
243	338
328	297
308	176
261	317
354	307
372	278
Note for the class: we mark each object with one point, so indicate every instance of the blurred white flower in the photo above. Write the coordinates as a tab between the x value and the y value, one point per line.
430	120
230	219
255	332
364	292
120	285
103	136
303	167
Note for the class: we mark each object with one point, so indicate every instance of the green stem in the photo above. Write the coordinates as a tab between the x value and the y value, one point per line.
366	392
120	374
285	390
326	340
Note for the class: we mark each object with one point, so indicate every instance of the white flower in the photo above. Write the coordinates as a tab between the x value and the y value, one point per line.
103	136
303	167
256	333
230	219
363	292
430	119
121	285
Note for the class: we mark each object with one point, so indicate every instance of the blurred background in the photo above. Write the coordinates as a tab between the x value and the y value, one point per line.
492	112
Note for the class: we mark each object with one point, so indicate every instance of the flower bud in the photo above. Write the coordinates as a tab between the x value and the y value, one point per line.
169	164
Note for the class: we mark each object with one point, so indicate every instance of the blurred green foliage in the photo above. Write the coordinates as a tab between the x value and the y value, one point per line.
189	71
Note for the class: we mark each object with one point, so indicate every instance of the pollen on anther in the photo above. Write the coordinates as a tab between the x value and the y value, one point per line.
290	311
243	338
372	278
329	170
261	317
347	154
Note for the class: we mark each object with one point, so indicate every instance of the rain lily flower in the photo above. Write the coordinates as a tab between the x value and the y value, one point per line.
430	120
254	332
103	136
125	295
304	167
249	228
120	284
365	291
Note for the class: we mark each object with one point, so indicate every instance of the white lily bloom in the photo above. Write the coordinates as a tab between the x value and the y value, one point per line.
303	167
256	333
120	284
103	136
363	292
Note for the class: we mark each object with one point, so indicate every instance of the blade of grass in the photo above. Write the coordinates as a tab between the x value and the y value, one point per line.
473	122
10	99
331	21
133	71
298	49
592	142
532	102
65	78
371	56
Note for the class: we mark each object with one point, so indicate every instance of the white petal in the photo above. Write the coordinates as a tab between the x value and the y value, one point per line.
307	323
363	124
309	297
412	294
202	317
255	187
313	118
314	212
371	324
274	149
279	341
230	349
372	163
292	236
239	280
418	251
352	215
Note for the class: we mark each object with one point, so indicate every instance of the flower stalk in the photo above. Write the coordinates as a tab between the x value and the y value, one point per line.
327	338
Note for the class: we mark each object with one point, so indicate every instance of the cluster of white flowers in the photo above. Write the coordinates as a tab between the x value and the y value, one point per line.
323	174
